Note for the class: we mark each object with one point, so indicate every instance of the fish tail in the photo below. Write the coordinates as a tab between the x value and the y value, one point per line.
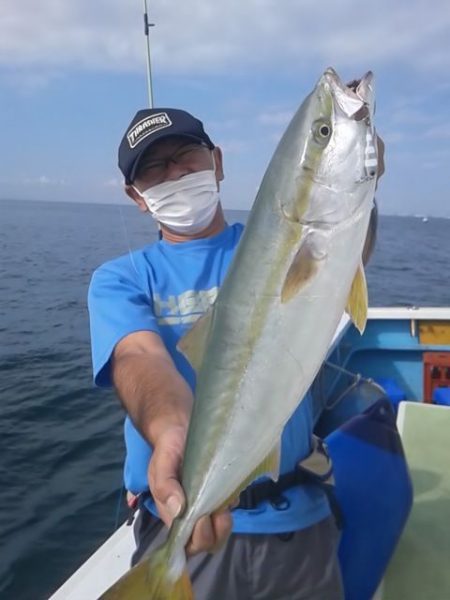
169	578
161	576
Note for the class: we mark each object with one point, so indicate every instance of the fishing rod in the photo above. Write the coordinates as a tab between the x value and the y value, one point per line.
147	26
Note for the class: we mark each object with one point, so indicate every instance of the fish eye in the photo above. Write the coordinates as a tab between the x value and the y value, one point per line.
322	131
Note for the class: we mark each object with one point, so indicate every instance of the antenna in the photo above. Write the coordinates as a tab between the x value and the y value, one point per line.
147	26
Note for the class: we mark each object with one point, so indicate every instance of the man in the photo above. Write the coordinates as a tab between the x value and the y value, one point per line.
140	305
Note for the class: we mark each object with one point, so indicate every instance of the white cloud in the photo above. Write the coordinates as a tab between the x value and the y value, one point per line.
394	137
430	165
230	146
439	131
40	180
412	116
52	33
44	180
407	43
194	36
113	182
28	81
281	117
225	124
420	118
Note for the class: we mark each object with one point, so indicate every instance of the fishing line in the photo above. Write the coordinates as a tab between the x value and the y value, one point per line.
119	505
130	254
358	379
127	238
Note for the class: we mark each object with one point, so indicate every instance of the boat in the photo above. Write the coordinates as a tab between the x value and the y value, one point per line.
423	218
403	355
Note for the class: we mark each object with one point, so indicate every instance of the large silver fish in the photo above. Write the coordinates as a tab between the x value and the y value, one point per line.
297	268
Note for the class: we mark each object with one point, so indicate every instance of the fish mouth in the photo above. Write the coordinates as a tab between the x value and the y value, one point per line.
347	97
355	99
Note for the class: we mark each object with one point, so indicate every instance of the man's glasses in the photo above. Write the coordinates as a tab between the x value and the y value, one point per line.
154	171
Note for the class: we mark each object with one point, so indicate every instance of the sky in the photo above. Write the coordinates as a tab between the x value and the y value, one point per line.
73	74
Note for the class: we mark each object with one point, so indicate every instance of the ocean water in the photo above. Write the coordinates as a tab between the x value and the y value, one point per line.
61	439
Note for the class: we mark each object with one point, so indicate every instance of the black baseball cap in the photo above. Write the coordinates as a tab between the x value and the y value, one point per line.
150	125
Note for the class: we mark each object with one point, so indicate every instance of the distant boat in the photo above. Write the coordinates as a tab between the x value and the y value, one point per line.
424	219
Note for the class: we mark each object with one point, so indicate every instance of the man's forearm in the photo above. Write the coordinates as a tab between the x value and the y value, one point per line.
153	393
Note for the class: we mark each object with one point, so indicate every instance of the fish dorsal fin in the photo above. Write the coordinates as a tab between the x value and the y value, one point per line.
193	343
270	466
304	267
358	300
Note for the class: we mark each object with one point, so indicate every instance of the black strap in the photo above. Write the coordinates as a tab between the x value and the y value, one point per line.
272	491
269	490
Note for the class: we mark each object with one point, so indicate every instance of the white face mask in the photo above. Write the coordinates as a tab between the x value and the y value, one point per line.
186	205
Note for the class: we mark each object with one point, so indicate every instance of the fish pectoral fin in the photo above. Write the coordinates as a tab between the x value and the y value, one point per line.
303	268
193	343
270	466
358	300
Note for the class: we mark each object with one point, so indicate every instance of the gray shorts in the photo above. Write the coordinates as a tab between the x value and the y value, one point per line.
300	565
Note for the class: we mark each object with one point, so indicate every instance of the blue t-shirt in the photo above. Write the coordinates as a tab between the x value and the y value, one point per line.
164	288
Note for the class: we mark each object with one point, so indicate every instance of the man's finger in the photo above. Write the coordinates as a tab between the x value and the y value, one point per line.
222	524
202	538
164	484
210	533
173	503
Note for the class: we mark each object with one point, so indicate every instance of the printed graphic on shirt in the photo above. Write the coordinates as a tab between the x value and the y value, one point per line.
185	308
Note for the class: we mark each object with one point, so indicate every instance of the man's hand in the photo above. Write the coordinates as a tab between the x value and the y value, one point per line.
210	532
159	402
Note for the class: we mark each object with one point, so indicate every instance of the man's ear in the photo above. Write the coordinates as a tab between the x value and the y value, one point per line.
136	197
218	158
